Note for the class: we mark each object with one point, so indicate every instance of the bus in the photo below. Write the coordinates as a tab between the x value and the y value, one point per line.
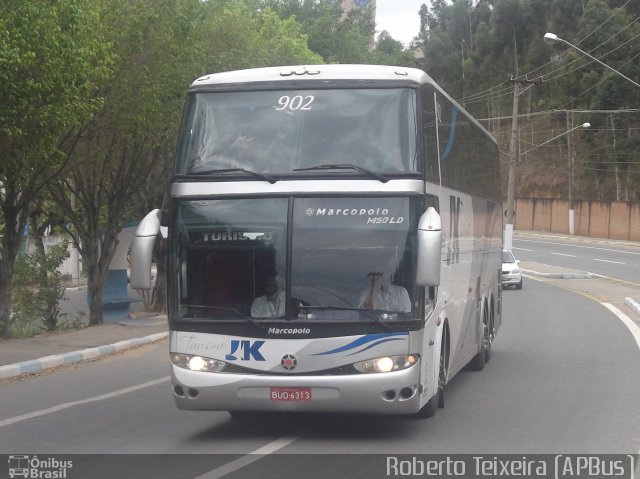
334	237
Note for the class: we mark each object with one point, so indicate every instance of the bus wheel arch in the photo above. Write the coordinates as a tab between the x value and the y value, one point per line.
484	353
443	373
437	400
491	327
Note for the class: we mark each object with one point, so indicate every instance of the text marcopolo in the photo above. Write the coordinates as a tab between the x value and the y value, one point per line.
348	212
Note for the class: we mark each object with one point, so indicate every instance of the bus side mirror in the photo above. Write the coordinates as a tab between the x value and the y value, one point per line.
142	249
429	248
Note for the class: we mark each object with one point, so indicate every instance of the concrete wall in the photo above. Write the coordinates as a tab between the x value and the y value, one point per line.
119	261
598	219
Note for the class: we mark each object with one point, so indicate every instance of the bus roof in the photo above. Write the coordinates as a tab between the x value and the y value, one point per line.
320	73
315	72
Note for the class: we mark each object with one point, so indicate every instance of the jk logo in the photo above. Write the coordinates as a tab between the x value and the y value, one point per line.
249	350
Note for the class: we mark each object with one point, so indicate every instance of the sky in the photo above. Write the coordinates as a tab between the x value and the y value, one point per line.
399	17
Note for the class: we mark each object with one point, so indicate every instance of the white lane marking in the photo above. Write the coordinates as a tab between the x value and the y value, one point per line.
579	246
562	254
249	458
67	405
608	261
523	249
633	327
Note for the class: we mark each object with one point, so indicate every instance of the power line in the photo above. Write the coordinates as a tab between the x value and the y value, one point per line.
477	97
555	111
618	10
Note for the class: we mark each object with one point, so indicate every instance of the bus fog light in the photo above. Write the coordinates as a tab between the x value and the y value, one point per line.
197	363
386	364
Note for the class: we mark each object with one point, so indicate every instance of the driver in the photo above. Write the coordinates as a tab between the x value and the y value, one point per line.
272	303
384	295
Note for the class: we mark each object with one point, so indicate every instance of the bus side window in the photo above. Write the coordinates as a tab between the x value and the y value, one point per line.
430	141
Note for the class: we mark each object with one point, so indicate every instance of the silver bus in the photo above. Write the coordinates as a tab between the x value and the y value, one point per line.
335	238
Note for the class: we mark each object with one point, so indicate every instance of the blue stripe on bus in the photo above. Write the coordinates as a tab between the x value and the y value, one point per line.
362	341
452	134
376	344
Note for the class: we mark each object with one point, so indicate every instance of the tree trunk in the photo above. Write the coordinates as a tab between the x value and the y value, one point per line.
10	245
6	273
98	258
95	288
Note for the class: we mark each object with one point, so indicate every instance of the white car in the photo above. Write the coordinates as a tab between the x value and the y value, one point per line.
511	273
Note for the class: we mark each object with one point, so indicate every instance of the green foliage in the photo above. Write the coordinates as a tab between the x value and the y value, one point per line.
38	290
473	49
332	36
391	52
53	58
98	86
51	62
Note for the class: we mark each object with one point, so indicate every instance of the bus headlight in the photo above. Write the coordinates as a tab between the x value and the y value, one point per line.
386	364
197	363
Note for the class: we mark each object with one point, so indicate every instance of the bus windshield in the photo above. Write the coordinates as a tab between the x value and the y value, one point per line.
343	259
278	132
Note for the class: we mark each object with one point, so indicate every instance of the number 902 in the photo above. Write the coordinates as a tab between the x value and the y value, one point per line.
295	103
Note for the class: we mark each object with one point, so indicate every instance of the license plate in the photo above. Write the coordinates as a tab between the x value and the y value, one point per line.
290	394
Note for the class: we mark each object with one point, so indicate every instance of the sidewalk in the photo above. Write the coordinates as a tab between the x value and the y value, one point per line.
22	356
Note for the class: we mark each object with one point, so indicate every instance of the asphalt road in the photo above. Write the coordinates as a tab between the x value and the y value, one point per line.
613	259
563	378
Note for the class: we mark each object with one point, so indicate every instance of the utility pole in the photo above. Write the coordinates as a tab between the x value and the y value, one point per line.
570	171
513	157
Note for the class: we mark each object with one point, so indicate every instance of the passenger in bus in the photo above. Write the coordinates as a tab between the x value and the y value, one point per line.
272	303
384	295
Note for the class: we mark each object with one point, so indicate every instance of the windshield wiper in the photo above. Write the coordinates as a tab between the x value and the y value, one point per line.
222	171
364	312
232	310
345	166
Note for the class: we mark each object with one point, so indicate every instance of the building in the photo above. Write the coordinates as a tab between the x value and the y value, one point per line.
348	5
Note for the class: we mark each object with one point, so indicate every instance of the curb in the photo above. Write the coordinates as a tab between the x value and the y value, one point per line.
579	275
633	304
36	365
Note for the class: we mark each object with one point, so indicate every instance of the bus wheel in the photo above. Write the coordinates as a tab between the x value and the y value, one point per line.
437	401
442	376
480	359
488	337
429	409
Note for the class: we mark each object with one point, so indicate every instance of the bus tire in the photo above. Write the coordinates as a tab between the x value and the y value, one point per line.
429	409
483	356
437	400
489	337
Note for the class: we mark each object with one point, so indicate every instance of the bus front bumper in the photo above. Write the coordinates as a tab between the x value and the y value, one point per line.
395	392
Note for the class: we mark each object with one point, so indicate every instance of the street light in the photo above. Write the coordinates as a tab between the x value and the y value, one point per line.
552	38
508	232
584	125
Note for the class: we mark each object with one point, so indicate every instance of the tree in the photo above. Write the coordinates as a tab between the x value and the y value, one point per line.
53	59
126	146
332	35
391	52
161	46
